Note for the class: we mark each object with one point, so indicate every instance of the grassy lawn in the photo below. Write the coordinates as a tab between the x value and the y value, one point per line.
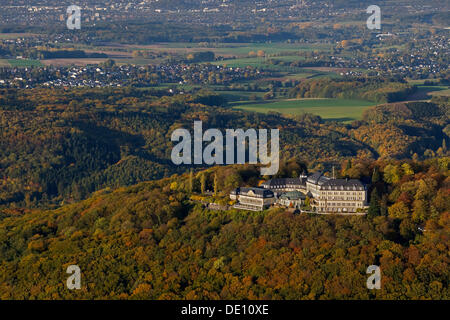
239	97
431	88
272	48
309	74
24	63
287	58
329	109
242	63
426	92
260	63
441	92
300	76
242	49
4	36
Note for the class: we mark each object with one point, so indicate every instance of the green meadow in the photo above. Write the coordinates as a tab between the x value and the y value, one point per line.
6	36
329	109
24	63
242	49
444	92
433	90
242	63
235	97
271	48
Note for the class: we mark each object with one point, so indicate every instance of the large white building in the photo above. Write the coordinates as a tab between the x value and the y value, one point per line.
327	195
336	195
255	199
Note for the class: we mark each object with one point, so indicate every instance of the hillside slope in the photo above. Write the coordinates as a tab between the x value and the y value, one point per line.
150	241
61	145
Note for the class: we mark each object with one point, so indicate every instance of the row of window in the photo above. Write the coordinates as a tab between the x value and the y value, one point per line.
339	204
244	199
342	198
343	193
337	210
342	188
248	206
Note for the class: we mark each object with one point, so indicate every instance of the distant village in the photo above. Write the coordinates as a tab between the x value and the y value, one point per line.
316	193
98	76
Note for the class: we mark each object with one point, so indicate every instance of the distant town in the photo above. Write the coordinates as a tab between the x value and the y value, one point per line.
109	75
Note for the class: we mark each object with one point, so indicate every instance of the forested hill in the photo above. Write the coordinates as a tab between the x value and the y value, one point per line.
150	241
61	145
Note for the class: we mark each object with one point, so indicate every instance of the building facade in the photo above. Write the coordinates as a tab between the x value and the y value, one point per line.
254	199
340	196
328	195
292	199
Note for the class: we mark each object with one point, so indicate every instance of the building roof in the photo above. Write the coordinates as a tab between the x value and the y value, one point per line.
345	184
257	192
293	195
284	182
318	178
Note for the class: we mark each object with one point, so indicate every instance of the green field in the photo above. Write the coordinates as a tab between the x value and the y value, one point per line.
284	72
441	92
24	63
272	48
425	92
329	109
237	49
289	58
433	90
287	52
4	36
260	63
242	63
299	76
235	97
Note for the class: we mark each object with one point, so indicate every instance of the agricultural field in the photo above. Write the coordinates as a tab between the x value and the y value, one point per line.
19	63
283	72
308	73
342	110
425	92
24	63
4	63
243	62
444	92
236	52
7	36
302	75
272	48
238	49
72	61
239	97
